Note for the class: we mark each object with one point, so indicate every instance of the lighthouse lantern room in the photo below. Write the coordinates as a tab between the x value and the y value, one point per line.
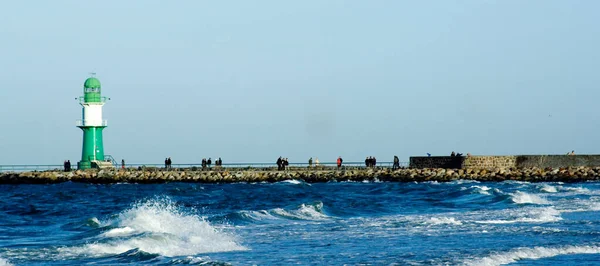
92	124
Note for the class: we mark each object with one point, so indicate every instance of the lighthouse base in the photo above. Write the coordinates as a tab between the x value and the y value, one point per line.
82	165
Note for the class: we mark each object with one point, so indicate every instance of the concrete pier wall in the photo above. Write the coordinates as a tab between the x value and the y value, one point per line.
509	161
571	174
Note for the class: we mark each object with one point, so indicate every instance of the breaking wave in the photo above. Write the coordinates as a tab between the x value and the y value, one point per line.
533	215
158	227
532	254
548	188
4	262
526	198
311	212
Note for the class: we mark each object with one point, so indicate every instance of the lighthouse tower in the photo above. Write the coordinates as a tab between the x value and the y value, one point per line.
92	154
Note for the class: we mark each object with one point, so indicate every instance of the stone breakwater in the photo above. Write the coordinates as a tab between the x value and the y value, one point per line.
573	174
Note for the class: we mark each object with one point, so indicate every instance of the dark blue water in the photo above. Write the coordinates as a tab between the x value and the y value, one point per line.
297	223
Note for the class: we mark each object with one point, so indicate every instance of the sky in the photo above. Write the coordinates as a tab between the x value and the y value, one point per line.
250	81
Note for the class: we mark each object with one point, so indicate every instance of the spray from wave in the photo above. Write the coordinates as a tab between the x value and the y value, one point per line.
158	227
4	262
532	253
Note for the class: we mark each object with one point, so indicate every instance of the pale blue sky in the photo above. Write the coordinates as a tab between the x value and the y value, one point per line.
252	80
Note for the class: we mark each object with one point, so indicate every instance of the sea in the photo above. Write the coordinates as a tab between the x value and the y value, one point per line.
297	223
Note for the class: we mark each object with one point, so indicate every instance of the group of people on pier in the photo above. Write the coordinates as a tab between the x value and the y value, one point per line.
67	165
282	163
370	161
208	163
168	163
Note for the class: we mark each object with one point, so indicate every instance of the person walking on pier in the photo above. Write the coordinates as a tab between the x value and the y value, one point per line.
310	162
122	163
279	163
285	163
396	163
339	162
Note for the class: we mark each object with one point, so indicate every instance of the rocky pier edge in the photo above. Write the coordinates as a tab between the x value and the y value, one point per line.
149	175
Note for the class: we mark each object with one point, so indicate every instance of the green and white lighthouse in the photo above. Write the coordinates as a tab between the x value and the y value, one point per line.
92	154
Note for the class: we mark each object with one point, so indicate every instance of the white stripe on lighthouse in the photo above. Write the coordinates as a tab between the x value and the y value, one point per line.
92	115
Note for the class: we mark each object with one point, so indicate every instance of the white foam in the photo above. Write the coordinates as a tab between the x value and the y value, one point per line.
258	215
577	190
304	212
537	215
4	262
122	231
481	189
161	229
548	189
532	254
292	181
463	181
526	198
444	220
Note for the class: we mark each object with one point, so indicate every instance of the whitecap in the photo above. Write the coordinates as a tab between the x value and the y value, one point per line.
533	215
444	220
532	254
526	198
484	190
257	215
292	181
463	181
161	228
304	212
577	190
548	189
4	262
121	231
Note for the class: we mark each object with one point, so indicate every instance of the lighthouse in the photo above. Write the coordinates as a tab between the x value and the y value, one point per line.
92	124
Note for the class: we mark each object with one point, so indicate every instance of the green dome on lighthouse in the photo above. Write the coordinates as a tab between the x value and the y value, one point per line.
91	83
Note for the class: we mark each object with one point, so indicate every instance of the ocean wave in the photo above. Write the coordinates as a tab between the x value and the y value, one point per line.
526	198
463	181
484	190
548	188
121	231
532	254
443	221
161	228
292	181
256	215
4	262
577	190
532	215
311	212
